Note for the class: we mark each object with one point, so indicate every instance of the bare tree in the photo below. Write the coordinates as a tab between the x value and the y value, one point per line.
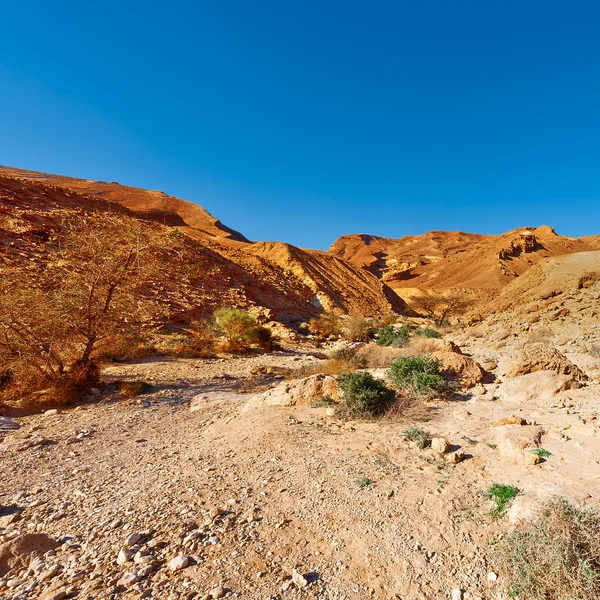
441	307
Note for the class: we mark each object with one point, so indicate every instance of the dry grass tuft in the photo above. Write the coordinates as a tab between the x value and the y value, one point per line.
378	357
554	557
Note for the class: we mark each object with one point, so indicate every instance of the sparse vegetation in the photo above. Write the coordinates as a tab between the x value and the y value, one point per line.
326	400
418	435
554	557
343	361
392	336
363	395
428	332
358	329
419	374
240	330
502	496
541	452
363	482
326	325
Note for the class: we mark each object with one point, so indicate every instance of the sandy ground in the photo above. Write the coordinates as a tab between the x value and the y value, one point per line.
249	499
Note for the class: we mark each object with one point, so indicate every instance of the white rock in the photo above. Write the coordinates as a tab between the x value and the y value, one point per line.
299	579
133	539
124	556
457	594
178	563
128	579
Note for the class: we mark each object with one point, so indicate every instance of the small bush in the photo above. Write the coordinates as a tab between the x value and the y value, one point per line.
417	435
358	329
502	496
261	336
234	324
326	325
428	332
364	482
201	339
363	395
343	361
419	374
390	336
554	557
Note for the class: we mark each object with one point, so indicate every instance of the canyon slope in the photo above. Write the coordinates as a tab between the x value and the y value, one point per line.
285	283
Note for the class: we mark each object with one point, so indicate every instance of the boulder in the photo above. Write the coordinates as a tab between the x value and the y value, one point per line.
541	386
17	553
461	367
515	438
540	357
300	392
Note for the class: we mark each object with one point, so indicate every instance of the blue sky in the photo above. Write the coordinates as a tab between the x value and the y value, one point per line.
303	121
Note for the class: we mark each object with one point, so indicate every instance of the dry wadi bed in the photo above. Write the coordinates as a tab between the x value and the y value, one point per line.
145	498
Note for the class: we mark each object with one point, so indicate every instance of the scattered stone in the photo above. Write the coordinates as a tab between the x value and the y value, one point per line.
440	445
217	592
455	457
457	594
298	579
130	578
178	563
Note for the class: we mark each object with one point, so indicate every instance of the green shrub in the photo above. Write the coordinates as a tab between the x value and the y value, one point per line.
502	496
428	332
554	557
363	395
233	324
419	374
417	435
390	336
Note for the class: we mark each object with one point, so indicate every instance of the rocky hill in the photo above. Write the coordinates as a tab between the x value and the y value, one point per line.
236	271
441	260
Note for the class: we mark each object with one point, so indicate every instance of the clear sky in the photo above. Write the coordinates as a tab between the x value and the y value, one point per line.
304	120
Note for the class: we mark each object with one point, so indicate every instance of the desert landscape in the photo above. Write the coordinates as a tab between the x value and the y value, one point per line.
186	413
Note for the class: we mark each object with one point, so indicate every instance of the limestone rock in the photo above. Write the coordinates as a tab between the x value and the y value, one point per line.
540	386
540	357
299	580
301	392
178	563
17	553
462	367
455	457
511	439
440	445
